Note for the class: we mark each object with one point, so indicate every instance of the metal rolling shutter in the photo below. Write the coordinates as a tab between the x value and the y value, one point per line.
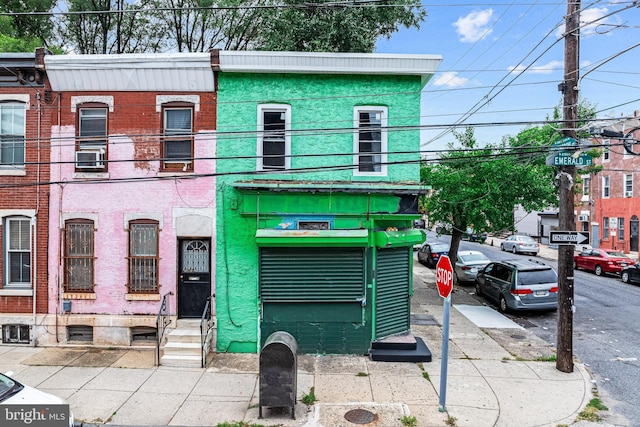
392	291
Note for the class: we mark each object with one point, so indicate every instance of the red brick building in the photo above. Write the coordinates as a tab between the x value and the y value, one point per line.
608	204
25	129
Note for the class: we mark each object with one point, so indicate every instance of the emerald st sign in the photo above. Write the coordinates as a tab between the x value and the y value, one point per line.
565	158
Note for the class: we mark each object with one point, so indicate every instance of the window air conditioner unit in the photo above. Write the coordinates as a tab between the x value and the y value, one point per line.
90	159
628	194
583	218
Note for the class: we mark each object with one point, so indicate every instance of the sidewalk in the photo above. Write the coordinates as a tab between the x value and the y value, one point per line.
494	378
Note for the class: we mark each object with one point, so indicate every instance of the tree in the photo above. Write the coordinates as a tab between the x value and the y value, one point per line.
202	25
24	31
479	187
338	27
123	27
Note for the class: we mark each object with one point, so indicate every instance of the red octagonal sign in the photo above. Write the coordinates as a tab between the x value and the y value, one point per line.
444	276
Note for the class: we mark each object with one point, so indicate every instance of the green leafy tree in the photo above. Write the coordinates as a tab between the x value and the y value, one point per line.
478	187
338	27
23	30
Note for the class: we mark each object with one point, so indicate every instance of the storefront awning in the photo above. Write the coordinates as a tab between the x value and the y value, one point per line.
350	238
396	239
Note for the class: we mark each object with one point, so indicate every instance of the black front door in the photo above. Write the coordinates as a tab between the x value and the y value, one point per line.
194	276
633	233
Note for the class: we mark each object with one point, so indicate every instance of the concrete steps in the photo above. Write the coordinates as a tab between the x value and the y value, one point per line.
183	348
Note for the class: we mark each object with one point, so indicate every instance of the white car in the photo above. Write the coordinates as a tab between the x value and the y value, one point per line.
14	393
520	244
468	264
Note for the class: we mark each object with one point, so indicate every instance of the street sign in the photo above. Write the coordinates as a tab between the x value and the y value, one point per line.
561	144
568	237
444	276
564	158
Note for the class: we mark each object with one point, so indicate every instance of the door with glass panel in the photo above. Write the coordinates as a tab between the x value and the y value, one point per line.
194	277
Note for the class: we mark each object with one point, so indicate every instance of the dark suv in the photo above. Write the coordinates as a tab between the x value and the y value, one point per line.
519	284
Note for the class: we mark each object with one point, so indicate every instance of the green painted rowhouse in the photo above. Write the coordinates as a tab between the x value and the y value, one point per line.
317	188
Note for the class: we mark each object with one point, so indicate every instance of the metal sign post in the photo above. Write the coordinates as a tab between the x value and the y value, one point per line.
444	282
445	353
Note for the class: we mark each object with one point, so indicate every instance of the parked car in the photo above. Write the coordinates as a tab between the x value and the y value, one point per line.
519	284
430	253
631	274
601	261
520	244
13	392
468	264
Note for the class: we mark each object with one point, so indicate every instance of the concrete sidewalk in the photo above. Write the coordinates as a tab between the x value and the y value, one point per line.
496	377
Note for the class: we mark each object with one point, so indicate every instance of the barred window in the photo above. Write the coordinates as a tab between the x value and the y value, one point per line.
79	256
143	256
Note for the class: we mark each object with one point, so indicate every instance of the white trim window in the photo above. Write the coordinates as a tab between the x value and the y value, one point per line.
605	187
12	134
274	137
606	154
17	257
91	149
628	185
370	140
177	145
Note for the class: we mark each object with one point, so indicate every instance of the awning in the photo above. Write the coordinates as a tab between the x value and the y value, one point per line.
396	239
350	238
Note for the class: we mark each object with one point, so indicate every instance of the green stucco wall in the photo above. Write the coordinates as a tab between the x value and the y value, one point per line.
320	103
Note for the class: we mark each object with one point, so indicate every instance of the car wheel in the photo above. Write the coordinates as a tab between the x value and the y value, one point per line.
514	250
502	305
625	276
478	290
598	270
502	247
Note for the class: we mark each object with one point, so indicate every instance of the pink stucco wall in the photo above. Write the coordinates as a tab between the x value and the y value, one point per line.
110	202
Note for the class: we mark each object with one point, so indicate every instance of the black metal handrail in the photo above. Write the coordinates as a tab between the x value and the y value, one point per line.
161	323
206	325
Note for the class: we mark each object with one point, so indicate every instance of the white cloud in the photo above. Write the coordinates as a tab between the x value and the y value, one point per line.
475	26
547	68
589	21
450	79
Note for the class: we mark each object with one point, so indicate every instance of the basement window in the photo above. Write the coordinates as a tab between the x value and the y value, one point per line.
15	334
80	333
143	334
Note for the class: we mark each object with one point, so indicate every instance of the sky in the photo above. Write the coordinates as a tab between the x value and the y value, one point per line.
503	61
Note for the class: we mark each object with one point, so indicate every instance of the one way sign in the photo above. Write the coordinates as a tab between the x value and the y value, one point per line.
568	237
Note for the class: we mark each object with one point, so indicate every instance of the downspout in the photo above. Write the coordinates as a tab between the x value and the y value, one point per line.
34	226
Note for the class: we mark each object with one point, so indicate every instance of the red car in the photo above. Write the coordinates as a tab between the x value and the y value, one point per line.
601	261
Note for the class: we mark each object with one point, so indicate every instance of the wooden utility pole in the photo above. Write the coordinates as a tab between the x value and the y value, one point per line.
566	179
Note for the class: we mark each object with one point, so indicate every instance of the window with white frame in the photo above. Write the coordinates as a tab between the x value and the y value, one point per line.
274	137
605	187
586	184
12	134
91	149
605	227
370	140
79	256
177	145
605	150
620	228
17	257
628	185
143	256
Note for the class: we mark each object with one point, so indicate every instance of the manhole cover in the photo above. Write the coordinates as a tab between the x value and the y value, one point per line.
359	416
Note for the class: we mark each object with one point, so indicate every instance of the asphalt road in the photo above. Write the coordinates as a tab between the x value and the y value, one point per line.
606	332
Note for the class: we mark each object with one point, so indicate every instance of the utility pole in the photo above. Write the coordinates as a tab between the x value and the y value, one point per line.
566	179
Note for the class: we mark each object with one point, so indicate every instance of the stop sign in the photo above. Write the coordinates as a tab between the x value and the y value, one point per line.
444	276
